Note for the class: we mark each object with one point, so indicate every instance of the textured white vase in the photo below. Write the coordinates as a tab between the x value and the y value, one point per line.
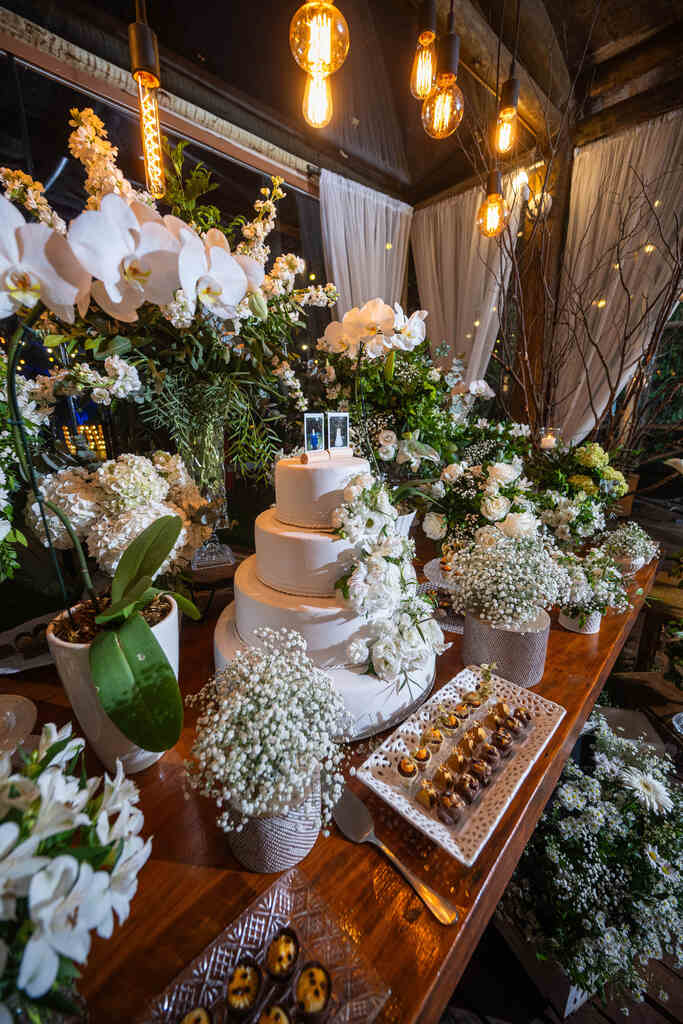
591	622
518	652
630	566
279	841
403	524
73	666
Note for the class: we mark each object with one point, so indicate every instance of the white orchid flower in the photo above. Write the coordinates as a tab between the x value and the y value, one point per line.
133	260
66	900
254	271
37	264
375	317
336	340
409	332
210	273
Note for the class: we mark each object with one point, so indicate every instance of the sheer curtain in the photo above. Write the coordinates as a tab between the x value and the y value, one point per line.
606	194
459	273
365	238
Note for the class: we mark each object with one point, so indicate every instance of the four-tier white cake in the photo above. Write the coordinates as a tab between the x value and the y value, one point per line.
290	582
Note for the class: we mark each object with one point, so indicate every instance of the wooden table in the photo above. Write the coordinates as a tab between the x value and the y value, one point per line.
192	887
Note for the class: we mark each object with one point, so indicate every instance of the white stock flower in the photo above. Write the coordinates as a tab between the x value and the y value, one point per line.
133	258
435	525
651	793
519	524
37	264
438	489
495	507
125	378
358	652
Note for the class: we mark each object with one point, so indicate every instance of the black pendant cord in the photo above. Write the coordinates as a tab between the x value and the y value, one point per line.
497	96
141	11
513	63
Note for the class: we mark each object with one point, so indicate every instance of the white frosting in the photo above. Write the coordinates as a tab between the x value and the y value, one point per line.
296	560
326	623
373	704
307	495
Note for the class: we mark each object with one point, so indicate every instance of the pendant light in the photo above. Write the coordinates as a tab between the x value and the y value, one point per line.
317	106
144	62
443	109
506	121
319	41
493	213
424	63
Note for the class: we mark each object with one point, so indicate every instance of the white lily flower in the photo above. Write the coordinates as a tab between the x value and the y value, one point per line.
118	791
37	264
128	823
50	735
211	274
18	864
123	882
134	260
56	813
66	900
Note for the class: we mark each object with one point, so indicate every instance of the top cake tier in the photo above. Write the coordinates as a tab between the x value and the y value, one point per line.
308	494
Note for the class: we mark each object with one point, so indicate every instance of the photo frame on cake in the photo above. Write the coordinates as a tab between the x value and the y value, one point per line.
314	431
337	430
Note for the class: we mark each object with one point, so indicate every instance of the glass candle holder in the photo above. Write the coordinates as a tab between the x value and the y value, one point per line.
548	438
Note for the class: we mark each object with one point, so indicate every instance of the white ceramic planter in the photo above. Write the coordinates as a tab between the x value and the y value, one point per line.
630	566
403	524
279	842
591	623
73	666
519	653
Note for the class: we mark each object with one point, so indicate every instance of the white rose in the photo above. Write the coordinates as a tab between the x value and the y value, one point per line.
435	525
387	453
386	437
480	389
453	472
386	660
438	489
357	485
501	473
487	536
519	524
495	507
358	652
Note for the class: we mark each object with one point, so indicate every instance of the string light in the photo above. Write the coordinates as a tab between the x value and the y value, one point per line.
423	71
317	106
649	248
144	59
493	213
93	436
319	38
443	109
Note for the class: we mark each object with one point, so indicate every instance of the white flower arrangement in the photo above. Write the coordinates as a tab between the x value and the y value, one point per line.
120	380
270	721
596	584
111	505
70	853
381	587
599	887
374	330
573	518
631	543
507	582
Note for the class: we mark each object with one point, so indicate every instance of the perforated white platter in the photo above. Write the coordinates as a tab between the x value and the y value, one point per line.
465	841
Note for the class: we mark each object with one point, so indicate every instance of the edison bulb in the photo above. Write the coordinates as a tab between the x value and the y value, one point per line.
505	133
319	37
424	66
443	109
151	133
317	106
493	215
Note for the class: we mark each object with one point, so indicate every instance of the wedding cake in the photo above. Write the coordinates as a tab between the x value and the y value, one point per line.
290	582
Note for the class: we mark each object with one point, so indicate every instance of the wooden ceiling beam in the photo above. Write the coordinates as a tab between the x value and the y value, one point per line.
665	48
629	112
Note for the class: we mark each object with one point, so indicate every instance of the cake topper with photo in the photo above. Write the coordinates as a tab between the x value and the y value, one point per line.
314	431
337	430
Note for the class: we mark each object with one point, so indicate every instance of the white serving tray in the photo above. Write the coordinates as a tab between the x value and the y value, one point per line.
465	841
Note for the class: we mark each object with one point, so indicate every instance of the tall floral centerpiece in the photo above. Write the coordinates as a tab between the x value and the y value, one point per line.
268	750
599	887
70	854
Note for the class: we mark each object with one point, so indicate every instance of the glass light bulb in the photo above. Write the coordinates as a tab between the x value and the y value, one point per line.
151	133
443	109
505	134
319	38
493	215
317	106
424	66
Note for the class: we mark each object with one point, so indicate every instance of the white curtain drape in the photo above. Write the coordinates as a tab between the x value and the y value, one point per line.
601	324
460	274
365	239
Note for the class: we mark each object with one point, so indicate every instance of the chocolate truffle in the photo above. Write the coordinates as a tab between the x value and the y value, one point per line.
450	808
282	954
512	725
456	760
489	754
449	721
274	1015
243	987
426	795
197	1016
433	738
473	699
422	756
467	787
443	779
407	768
313	990
481	771
495	721
503	741
503	709
523	716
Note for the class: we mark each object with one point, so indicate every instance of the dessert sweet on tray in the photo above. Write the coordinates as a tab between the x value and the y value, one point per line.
282	955
243	987
198	1016
274	1015
313	991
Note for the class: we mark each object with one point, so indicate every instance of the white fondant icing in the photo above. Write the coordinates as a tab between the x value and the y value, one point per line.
307	495
373	704
298	560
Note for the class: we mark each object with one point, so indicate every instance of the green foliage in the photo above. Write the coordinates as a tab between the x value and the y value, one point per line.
183	192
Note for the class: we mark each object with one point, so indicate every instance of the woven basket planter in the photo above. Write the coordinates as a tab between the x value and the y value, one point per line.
279	842
591	623
519	654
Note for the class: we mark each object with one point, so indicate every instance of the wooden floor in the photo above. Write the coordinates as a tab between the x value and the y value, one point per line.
495	989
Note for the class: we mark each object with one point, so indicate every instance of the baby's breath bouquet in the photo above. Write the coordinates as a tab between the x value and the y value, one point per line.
270	722
631	543
507	580
599	887
596	585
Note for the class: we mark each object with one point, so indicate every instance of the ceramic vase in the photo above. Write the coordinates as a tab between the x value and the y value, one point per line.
279	841
630	566
591	623
518	652
73	666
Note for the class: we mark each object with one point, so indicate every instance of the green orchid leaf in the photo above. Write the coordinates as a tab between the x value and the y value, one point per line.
188	607
130	598
136	685
146	554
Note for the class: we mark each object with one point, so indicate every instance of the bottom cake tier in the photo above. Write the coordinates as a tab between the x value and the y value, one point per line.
373	704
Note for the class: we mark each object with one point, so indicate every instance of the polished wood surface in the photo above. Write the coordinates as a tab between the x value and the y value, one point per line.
192	887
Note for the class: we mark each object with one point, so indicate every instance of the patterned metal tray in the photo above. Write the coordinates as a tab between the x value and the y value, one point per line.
359	993
466	841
